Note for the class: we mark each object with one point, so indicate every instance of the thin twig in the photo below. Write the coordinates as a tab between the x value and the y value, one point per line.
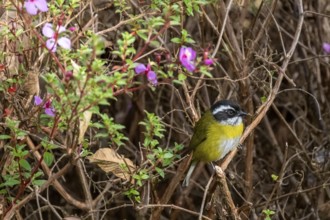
172	207
262	110
222	29
204	197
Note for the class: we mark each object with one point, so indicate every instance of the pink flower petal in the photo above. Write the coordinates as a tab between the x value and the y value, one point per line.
48	31
187	53
64	42
60	29
72	29
30	8
208	62
187	56
41	5
152	77
140	68
190	66
51	44
192	53
50	112
326	47
182	53
37	100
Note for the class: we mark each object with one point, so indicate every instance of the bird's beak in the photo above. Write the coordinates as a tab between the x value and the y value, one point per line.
242	113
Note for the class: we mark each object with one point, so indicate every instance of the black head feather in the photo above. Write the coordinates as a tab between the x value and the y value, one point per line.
226	109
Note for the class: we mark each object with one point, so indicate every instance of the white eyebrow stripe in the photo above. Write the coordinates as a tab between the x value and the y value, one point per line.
222	108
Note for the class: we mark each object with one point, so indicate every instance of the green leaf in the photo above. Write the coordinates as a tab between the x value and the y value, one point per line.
48	145
37	174
176	40
4	136
175	20
97	125
130	40
274	177
160	172
25	164
182	77
190	41
10	182
142	34
3	192
168	155
19	32
38	182
155	43
48	158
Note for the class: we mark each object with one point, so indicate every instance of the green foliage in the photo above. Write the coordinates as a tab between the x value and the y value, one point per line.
140	176
121	6
165	156
154	128
205	70
192	6
133	194
263	99
185	38
48	158
13	125
159	159
125	48
274	177
10	181
268	213
79	81
112	130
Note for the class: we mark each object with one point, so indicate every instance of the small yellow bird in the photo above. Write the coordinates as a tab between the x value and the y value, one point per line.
216	133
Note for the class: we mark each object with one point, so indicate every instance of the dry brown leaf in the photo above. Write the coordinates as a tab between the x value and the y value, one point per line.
110	161
31	85
83	125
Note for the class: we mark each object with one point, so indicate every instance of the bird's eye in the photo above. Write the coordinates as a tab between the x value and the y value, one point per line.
231	112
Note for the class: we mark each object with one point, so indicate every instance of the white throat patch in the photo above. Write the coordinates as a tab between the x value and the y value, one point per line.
232	121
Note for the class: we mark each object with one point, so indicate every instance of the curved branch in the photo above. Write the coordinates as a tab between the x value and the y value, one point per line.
262	110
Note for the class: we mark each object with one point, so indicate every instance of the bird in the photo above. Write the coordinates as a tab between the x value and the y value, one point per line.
216	133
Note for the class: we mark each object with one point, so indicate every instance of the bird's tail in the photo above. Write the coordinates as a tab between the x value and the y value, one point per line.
190	171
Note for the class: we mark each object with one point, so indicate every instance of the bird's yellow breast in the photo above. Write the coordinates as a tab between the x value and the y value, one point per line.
220	139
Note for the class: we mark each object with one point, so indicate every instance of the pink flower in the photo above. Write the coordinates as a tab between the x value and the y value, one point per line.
141	68
49	110
37	100
32	6
326	48
72	29
187	58
151	75
53	37
208	62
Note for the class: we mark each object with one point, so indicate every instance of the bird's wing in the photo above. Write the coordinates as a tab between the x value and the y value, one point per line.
200	130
